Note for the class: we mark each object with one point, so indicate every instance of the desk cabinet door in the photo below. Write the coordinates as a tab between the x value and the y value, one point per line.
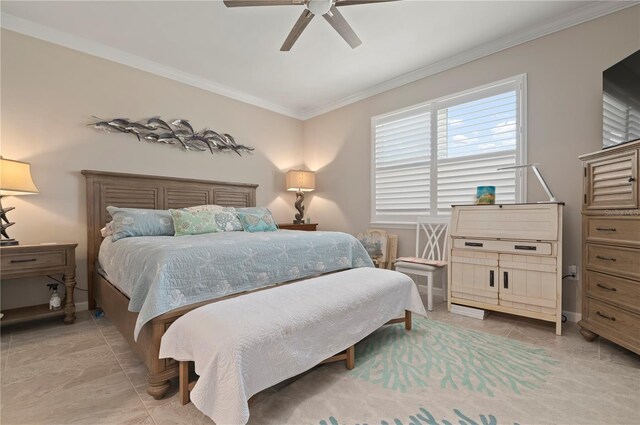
528	283
474	276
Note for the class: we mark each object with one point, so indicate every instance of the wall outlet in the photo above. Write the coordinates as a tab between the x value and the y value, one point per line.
575	271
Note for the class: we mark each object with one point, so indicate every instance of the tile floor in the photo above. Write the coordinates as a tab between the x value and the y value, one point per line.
86	374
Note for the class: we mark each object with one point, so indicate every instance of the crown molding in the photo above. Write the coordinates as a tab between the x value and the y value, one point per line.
52	35
579	16
46	33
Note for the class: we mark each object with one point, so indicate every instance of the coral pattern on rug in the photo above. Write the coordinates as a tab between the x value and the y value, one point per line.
424	417
455	357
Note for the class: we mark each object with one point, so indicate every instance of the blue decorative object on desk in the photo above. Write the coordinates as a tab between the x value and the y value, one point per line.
486	195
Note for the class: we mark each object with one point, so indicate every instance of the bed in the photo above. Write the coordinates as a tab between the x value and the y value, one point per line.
108	289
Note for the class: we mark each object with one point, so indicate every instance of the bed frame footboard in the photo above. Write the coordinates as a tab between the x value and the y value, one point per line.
115	304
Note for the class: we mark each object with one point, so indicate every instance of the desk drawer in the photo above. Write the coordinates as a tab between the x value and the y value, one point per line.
625	230
614	260
616	290
620	321
522	247
33	260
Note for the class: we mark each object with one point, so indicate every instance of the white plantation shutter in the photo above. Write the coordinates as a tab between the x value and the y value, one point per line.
475	138
621	120
459	177
433	155
401	164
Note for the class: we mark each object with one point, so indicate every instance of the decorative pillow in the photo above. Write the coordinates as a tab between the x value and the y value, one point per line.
225	217
107	230
130	222
256	219
207	207
189	222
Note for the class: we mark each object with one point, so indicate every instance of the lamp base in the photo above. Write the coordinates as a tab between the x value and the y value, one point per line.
300	216
9	242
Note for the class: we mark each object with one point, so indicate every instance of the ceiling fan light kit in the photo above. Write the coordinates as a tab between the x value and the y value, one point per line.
326	8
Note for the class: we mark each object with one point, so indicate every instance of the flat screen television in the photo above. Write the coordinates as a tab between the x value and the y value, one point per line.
621	102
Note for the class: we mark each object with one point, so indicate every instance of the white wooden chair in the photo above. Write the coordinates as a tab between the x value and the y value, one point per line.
432	262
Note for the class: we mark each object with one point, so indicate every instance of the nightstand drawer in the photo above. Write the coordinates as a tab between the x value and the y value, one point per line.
33	260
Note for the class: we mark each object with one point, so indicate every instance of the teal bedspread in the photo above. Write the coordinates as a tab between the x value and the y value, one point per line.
161	273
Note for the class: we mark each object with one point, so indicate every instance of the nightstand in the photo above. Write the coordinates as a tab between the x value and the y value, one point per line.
309	227
40	260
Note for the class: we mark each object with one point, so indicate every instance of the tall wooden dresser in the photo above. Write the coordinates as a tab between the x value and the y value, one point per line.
611	246
508	258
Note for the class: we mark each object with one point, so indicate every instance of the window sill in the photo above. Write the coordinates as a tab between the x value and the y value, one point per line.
392	225
406	225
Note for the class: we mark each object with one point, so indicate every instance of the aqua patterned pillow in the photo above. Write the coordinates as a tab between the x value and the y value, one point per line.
130	222
189	222
225	217
256	219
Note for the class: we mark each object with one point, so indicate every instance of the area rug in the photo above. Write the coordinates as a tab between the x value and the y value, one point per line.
441	374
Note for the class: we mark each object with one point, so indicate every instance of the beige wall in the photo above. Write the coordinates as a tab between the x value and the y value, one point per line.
48	96
564	72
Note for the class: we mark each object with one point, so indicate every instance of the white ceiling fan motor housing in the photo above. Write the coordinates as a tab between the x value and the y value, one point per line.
319	7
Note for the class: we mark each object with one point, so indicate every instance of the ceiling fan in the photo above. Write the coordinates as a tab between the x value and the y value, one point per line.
326	8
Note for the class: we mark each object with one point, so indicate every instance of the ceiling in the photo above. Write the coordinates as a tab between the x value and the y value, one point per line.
235	52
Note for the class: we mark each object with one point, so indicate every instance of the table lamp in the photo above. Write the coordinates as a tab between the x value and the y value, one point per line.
15	179
541	179
300	182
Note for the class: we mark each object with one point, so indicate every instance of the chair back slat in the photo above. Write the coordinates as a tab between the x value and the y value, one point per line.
436	236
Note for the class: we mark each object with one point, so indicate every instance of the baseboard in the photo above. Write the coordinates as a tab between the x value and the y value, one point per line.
438	291
572	316
82	306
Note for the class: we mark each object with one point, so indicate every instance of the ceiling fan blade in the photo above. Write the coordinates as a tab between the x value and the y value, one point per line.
357	2
297	29
246	3
340	24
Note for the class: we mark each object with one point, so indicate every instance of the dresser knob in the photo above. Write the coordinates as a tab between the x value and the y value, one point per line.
600	285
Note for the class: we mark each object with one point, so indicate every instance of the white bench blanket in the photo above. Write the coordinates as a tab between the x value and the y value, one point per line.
243	345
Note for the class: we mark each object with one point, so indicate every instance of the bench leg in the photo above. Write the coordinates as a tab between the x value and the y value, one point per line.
184	382
351	357
407	320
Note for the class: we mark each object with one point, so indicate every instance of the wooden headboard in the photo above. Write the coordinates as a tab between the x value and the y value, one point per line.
152	192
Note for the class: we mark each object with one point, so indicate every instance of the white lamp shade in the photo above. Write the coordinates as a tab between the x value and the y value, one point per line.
303	181
15	178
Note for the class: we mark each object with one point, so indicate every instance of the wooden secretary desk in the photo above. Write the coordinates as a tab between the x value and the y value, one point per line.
508	258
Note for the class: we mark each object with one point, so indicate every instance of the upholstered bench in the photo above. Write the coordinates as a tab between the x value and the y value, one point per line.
243	345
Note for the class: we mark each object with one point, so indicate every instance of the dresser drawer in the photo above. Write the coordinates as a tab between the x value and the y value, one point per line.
33	260
614	260
622	322
625	230
617	290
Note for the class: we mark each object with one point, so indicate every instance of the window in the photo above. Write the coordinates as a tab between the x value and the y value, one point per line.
427	157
